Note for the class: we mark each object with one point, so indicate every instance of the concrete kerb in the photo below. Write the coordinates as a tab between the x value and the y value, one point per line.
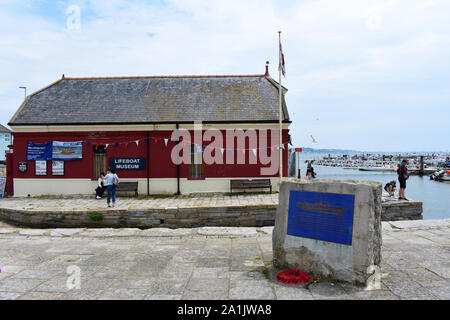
208	232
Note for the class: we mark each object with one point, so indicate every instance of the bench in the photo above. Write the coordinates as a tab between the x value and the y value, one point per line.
128	186
250	184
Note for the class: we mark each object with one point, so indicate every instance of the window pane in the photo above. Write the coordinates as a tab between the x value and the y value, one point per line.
196	166
100	162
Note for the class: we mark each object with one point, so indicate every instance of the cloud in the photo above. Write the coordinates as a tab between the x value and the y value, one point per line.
352	64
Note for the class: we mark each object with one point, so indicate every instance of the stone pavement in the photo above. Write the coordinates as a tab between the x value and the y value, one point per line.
157	202
206	263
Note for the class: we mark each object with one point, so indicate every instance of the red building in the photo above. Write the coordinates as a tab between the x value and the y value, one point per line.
128	122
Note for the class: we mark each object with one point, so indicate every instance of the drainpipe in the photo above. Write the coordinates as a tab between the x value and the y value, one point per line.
178	168
148	164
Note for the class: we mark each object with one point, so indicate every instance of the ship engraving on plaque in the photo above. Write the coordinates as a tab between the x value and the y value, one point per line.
321	216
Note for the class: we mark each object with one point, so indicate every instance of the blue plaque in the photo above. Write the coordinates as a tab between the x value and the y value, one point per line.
321	216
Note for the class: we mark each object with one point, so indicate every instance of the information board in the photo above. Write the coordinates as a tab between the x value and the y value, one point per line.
57	168
41	167
39	151
321	216
2	186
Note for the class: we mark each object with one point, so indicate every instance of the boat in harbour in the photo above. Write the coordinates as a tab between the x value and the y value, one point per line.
442	175
391	169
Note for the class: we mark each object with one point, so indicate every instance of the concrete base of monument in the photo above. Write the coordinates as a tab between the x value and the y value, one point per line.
329	229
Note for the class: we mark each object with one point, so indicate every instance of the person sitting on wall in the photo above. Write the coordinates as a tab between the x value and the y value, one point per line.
310	174
101	186
390	188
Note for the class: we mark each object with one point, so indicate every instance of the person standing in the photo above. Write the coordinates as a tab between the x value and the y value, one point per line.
402	176
112	180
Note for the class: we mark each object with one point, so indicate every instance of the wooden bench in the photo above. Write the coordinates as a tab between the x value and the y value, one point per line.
128	186
250	184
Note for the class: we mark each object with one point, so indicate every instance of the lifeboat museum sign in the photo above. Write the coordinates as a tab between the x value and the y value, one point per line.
127	163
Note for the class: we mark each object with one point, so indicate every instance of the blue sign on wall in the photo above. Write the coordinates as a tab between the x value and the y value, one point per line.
127	163
39	151
321	216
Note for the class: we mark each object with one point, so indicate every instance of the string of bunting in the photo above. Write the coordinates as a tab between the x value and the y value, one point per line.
166	140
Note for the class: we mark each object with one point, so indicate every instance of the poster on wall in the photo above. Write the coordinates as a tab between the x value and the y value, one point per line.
2	186
67	150
23	167
41	167
39	151
57	168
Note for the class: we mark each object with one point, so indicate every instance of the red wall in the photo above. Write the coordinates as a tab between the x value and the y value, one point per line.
161	165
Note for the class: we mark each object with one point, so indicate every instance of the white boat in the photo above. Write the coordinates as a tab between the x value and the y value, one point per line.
442	175
376	169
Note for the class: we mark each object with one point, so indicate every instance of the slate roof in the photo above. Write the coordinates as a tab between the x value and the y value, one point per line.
4	129
128	100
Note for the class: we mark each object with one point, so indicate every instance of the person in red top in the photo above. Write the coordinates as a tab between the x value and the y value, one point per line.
402	176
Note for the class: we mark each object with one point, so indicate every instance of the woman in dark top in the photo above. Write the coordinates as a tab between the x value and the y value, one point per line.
100	187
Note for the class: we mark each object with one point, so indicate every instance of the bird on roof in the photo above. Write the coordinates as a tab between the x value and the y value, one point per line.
313	140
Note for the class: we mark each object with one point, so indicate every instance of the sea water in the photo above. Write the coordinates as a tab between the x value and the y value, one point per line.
435	195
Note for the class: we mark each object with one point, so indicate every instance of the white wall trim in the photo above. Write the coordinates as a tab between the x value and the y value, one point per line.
38	187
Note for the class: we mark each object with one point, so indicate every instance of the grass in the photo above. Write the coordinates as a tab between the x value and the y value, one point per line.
266	273
96	216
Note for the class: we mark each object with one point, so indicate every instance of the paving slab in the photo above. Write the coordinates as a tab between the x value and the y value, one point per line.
215	263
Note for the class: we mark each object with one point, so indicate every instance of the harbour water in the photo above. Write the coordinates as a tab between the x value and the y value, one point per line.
434	195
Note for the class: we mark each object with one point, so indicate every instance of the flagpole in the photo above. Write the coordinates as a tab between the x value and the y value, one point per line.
280	101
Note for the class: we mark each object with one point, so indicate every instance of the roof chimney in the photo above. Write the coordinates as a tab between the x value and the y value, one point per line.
267	75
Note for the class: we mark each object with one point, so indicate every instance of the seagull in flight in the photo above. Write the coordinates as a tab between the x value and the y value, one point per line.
313	140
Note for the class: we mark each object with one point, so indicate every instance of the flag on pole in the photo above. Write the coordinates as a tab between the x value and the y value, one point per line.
282	66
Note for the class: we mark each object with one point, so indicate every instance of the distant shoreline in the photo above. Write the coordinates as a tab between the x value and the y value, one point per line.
312	150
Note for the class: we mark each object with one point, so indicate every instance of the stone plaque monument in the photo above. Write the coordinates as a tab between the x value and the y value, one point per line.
329	228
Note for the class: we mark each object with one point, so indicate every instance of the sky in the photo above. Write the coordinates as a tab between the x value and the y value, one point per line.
371	75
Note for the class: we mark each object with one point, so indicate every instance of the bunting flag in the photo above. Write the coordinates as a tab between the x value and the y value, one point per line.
165	141
254	152
126	144
116	145
221	150
106	146
155	140
88	144
146	140
137	143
